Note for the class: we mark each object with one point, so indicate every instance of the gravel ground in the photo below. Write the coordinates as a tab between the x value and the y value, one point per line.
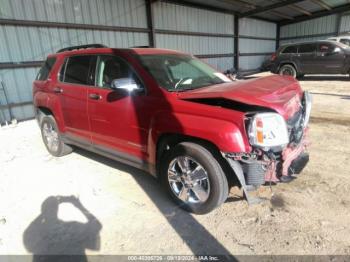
122	210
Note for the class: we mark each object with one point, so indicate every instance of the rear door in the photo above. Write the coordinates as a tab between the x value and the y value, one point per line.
76	75
306	58
330	59
288	54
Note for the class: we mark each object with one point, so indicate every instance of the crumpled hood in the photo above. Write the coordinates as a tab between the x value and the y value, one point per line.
280	93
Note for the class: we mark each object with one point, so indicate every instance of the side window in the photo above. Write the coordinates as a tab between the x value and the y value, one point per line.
307	48
46	69
290	50
78	70
112	68
325	48
345	41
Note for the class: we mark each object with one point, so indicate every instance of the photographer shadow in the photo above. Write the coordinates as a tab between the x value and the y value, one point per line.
49	237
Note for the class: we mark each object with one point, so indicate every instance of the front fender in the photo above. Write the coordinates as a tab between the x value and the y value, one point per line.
227	136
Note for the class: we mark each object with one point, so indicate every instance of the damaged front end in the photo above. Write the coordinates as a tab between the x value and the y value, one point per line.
279	148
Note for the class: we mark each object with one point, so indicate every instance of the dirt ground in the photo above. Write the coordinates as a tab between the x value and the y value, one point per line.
124	211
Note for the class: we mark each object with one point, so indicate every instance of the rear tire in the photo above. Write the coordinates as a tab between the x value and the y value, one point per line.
288	70
52	138
191	168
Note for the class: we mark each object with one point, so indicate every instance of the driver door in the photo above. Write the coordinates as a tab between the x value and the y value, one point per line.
114	124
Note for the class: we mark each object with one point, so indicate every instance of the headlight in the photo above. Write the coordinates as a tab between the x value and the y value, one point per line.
268	130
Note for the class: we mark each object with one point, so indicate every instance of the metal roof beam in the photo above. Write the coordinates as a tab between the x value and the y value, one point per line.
335	10
282	15
212	8
300	9
269	7
201	6
322	4
241	2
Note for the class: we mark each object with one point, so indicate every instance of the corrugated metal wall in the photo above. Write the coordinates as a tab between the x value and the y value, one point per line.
172	17
315	29
208	34
345	23
130	13
23	43
262	46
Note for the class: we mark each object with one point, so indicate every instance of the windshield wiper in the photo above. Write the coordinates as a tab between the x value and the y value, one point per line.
191	88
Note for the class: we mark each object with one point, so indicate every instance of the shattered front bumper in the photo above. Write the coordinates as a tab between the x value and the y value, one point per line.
291	162
275	165
281	167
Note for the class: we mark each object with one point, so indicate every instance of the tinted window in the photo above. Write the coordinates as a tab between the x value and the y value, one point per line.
111	68
290	50
46	69
307	48
77	70
326	48
345	41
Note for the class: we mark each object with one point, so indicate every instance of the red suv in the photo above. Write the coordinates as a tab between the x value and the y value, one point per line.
176	117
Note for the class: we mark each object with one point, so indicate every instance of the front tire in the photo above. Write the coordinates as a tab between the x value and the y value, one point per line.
52	138
288	70
193	178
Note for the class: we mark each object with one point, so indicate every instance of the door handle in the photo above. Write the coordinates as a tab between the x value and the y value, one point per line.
58	90
95	96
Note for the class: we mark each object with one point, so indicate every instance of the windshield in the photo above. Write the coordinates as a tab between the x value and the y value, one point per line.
181	72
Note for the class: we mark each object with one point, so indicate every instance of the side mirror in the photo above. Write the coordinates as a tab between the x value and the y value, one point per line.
127	84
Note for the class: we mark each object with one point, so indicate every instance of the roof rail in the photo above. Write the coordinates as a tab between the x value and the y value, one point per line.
81	47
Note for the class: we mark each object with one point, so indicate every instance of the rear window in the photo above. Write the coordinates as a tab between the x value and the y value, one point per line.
77	70
307	48
46	69
290	50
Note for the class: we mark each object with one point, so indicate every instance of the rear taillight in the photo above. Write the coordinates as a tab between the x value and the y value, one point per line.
273	57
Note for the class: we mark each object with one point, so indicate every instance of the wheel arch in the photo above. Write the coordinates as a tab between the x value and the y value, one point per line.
44	110
169	140
41	111
49	105
289	63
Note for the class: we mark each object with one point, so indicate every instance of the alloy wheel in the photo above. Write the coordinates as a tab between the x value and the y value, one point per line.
188	180
51	136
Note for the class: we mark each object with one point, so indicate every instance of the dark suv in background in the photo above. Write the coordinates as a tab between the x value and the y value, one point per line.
321	57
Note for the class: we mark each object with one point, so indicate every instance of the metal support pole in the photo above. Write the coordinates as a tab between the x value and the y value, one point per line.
278	35
3	87
236	43
150	23
338	23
